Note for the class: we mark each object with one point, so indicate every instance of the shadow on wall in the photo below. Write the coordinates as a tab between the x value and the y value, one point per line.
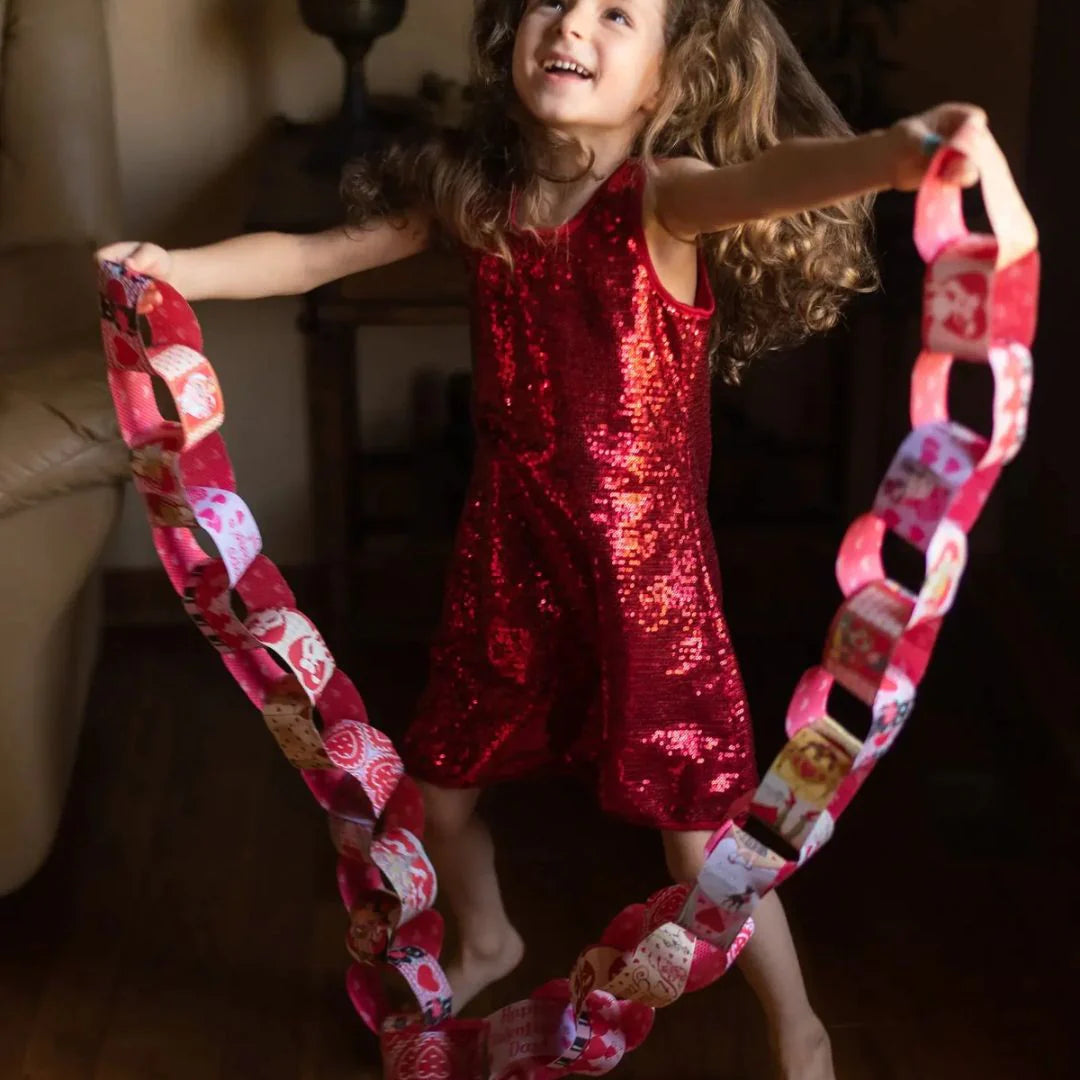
255	37
196	84
252	30
218	206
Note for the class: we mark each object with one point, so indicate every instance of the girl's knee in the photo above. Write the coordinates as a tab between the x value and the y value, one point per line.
685	855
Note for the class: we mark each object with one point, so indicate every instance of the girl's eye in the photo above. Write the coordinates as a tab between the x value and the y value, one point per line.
618	15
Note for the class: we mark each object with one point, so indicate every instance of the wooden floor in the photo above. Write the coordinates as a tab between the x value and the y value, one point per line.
188	927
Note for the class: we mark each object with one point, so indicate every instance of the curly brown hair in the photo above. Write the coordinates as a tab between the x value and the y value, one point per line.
733	86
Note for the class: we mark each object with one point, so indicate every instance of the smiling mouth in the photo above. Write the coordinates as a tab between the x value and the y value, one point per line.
567	68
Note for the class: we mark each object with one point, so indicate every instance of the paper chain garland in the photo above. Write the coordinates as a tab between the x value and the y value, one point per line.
980	302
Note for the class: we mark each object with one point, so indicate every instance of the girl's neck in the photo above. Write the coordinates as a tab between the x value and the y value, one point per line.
558	201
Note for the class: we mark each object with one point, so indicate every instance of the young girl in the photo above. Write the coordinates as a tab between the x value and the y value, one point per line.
646	186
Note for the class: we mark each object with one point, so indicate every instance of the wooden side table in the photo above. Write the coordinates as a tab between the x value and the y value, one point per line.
426	290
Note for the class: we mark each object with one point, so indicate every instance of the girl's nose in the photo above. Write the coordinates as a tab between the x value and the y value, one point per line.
572	23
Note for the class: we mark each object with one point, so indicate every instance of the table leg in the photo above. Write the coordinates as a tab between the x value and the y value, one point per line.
331	377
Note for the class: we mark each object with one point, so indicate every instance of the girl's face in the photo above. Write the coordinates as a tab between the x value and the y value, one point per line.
585	66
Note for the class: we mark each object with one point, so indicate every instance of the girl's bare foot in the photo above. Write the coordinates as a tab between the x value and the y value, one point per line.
483	962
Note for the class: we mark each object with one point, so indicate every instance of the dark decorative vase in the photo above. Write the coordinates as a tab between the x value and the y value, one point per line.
353	26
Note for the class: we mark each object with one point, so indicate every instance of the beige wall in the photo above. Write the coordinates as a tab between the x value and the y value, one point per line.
196	82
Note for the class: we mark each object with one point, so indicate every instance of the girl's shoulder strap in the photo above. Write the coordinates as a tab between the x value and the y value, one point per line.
620	196
630	176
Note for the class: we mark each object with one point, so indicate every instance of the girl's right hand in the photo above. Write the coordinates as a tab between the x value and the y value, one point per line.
142	258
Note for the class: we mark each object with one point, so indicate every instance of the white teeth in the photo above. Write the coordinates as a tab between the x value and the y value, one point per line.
566	65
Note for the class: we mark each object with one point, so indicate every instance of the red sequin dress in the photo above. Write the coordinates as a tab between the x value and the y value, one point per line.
582	620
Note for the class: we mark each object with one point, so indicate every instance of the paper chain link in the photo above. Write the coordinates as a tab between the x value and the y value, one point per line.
980	301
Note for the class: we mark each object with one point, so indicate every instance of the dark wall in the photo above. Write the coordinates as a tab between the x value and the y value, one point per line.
1044	489
968	50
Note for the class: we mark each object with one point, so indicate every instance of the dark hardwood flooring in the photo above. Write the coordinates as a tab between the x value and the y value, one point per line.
187	925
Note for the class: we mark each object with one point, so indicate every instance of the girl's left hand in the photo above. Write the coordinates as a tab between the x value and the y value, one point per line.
918	138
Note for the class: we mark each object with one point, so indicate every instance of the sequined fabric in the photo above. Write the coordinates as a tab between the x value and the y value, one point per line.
583	619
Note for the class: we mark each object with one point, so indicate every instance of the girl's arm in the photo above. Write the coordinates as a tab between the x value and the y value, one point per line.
272	264
693	197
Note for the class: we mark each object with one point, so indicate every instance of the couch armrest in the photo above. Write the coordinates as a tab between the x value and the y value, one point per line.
57	430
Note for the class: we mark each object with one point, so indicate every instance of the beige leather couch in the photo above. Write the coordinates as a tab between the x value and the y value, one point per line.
61	463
